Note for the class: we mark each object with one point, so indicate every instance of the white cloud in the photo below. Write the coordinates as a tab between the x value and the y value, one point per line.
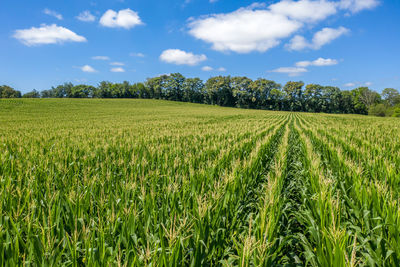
53	13
136	54
259	27
47	34
180	57
297	43
213	1
117	64
327	35
304	10
320	38
244	30
291	71
86	16
355	84
207	68
119	69
88	68
350	84
358	5
125	18
101	58
318	62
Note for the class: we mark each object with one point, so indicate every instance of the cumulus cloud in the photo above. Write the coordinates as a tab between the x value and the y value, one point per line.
125	18
244	30
291	71
318	62
86	16
260	27
119	69
327	35
355	84
101	58
117	64
300	67
53	13
87	68
207	68
180	57
358	5
305	10
47	34
320	38
297	43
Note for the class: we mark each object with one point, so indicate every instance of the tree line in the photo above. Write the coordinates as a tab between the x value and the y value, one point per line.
228	91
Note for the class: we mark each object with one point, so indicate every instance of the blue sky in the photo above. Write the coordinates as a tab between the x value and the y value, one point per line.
345	43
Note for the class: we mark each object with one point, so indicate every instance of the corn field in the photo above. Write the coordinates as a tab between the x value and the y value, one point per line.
158	183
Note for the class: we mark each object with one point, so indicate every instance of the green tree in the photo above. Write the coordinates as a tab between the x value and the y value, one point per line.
173	87
242	92
346	104
155	87
313	98
82	91
9	92
219	91
331	98
377	110
293	96
193	90
368	97
391	96
396	112
32	94
359	106
277	99
61	91
103	90
261	90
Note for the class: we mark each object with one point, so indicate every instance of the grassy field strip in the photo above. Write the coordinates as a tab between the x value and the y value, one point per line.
382	146
94	191
352	157
327	243
363	134
375	167
256	246
294	192
376	164
200	198
157	183
389	153
225	219
72	197
371	213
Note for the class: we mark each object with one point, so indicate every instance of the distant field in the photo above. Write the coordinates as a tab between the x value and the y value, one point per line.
149	182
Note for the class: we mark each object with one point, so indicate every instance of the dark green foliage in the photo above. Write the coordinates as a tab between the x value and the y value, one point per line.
32	94
396	112
8	92
241	92
377	110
